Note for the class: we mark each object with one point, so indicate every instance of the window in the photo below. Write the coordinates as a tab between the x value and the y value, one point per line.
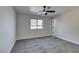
36	24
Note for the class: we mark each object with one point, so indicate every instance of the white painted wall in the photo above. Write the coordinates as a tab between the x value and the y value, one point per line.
7	29
67	26
23	30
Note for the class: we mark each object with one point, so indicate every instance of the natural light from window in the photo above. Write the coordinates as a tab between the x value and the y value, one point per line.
36	24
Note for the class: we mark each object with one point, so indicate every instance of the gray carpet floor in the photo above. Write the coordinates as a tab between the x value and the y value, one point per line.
44	45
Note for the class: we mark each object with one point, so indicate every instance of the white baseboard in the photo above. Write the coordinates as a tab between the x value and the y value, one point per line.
20	38
74	42
12	46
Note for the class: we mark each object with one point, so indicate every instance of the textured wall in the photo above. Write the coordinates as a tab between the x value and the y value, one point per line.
23	27
7	28
66	26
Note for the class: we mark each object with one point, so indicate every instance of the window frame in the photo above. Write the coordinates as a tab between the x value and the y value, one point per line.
37	26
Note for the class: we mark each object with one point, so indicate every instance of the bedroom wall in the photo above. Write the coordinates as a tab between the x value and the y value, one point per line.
66	26
7	28
23	30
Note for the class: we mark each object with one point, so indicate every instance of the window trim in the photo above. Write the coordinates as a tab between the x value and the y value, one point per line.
37	26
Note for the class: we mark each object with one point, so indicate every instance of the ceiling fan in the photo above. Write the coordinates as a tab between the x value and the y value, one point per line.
46	10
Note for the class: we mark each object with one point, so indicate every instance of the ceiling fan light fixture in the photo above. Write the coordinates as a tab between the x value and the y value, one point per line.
44	12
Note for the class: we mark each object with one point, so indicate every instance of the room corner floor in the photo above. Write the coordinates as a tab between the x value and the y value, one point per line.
45	45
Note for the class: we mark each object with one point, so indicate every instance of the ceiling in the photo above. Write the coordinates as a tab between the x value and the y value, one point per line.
37	10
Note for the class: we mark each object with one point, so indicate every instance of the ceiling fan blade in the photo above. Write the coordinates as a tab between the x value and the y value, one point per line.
51	11
46	11
44	7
